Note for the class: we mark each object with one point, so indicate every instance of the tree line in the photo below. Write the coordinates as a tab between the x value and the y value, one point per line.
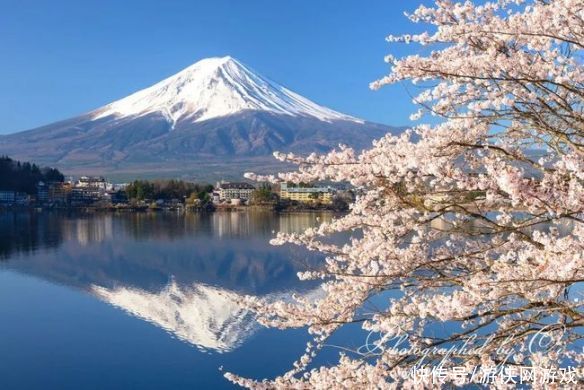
166	189
24	176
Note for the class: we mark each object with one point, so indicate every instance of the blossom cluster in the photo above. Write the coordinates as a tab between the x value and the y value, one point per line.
477	220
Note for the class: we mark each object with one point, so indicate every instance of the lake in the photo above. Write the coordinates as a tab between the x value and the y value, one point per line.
144	300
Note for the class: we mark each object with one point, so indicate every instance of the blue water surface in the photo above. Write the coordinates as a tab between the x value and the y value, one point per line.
144	300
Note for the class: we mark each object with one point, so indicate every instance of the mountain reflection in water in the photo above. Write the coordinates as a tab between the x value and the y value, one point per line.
185	273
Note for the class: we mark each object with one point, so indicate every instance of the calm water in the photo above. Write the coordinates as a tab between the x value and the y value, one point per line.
143	300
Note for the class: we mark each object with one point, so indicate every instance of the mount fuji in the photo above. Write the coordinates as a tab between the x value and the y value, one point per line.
216	118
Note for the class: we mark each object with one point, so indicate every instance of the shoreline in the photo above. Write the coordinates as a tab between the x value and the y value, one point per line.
147	209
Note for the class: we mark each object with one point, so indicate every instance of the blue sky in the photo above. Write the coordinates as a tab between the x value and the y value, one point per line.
61	58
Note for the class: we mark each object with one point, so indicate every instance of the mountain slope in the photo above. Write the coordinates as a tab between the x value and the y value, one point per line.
214	118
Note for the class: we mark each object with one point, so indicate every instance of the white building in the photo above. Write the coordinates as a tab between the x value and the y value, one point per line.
94	182
228	191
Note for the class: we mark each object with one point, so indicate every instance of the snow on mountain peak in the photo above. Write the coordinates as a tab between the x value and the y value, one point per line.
216	87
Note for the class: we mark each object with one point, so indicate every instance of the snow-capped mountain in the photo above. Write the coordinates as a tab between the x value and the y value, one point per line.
216	118
213	88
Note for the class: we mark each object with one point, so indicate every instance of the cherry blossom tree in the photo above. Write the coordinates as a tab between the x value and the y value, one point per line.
473	224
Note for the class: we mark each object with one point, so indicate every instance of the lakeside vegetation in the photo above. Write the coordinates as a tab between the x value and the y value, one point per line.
26	184
167	189
24	176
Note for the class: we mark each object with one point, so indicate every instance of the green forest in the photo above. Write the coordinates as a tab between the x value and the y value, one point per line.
166	189
24	176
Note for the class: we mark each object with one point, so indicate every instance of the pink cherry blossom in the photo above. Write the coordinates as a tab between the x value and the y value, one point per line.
476	220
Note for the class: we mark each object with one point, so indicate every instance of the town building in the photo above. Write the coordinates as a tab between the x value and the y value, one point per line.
322	195
55	193
216	197
7	196
98	182
229	191
85	195
59	192
90	189
13	197
42	192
